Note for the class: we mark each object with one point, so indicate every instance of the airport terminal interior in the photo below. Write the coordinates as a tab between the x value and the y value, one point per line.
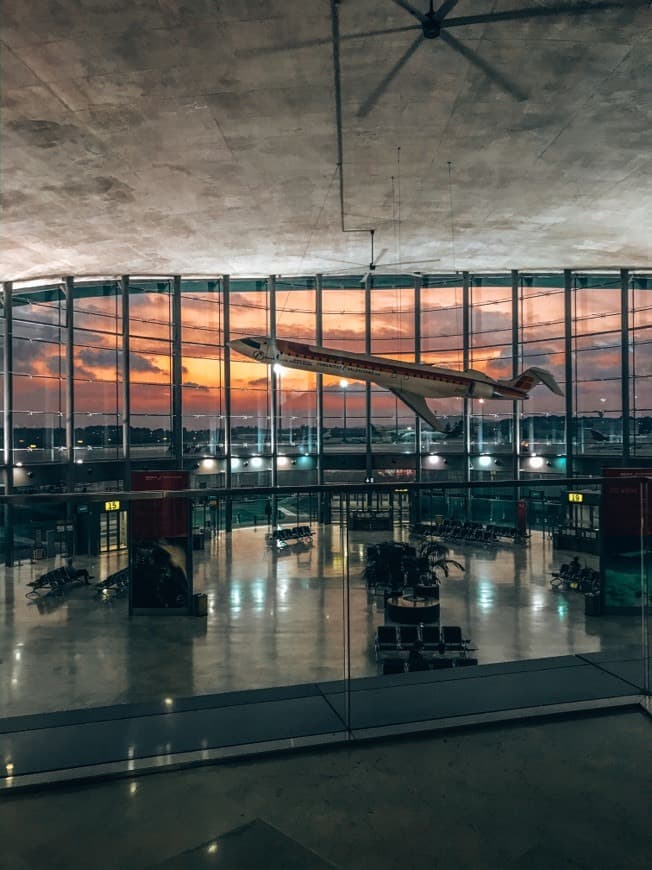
326	408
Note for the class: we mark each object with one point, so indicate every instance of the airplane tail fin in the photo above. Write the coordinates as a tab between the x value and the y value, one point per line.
533	376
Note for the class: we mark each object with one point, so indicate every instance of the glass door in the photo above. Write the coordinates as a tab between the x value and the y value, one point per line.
113	531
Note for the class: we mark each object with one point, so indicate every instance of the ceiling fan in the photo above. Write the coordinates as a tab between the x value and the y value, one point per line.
435	24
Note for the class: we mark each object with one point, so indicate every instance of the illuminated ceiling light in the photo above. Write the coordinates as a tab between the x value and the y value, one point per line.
344	383
536	461
278	368
19	465
256	461
484	461
79	461
283	461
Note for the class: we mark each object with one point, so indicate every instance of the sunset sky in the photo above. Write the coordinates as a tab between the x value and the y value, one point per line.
39	362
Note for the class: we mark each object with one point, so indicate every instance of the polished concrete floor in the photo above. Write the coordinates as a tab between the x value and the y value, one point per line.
557	795
273	620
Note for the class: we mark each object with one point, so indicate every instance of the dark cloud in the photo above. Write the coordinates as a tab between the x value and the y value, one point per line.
95	356
139	363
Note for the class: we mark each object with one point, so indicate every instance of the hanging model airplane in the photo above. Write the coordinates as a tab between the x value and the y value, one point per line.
412	383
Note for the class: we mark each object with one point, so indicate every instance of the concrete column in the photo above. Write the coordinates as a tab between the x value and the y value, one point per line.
69	292
367	349
568	369
177	374
624	355
8	418
274	421
125	420
319	337
228	478
466	344
417	358
516	405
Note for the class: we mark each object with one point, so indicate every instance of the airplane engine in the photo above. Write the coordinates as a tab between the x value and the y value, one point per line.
480	390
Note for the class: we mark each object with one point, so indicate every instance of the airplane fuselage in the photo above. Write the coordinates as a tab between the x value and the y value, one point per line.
421	380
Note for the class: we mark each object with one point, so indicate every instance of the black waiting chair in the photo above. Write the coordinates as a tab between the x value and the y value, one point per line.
430	637
409	635
393	666
386	638
452	639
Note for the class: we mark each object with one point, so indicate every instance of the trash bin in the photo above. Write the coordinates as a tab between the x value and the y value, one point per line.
200	604
591	604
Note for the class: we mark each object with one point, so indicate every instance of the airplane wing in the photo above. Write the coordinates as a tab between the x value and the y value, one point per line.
419	406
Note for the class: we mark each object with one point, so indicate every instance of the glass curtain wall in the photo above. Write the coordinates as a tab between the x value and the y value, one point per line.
393	424
512	322
97	370
640	364
202	379
491	421
39	321
150	365
541	345
251	422
343	327
442	342
297	406
597	365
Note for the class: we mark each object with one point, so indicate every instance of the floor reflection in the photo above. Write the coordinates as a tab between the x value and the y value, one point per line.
273	620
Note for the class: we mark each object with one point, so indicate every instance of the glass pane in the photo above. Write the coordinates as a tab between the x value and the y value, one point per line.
541	344
597	365
250	391
491	421
203	389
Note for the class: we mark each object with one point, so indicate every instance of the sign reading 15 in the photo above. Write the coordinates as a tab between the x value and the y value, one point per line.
111	505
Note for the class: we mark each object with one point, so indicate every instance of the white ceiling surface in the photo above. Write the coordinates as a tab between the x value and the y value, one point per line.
149	136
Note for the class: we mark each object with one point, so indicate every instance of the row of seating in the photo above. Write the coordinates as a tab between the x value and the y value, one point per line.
400	666
56	579
293	535
393	638
115	583
471	532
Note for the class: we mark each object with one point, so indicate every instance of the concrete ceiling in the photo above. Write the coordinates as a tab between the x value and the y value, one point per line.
165	136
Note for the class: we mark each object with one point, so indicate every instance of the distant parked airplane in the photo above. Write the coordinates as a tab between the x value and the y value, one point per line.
412	383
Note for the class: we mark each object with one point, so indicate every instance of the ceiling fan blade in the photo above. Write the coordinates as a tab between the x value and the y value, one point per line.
490	71
539	12
375	95
445	8
380	256
412	10
324	40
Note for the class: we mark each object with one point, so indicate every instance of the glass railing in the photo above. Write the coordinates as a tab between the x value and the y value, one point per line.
319	585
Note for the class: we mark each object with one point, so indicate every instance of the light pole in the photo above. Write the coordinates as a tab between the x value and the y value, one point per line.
279	370
344	384
481	427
